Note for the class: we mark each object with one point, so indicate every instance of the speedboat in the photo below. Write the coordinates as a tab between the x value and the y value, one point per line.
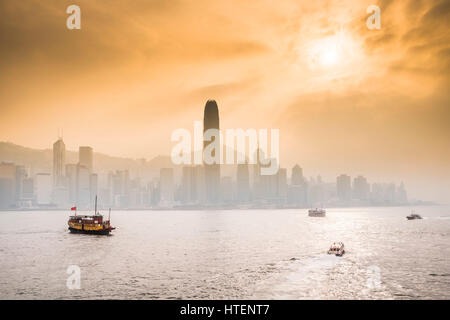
337	248
316	212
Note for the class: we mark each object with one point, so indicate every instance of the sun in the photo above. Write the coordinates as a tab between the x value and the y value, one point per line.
329	57
326	52
331	52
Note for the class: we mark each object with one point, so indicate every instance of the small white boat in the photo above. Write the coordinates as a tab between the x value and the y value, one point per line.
316	212
337	248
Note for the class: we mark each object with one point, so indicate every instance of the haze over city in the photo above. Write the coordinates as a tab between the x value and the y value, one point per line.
213	157
346	99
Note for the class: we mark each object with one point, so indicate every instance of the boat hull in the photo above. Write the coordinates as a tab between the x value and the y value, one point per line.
320	215
103	232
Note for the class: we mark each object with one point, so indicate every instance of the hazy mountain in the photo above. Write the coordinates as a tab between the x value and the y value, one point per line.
41	160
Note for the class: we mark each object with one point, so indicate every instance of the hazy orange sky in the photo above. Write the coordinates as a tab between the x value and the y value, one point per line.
345	98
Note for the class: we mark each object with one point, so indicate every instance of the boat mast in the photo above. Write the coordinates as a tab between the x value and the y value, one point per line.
109	215
95	212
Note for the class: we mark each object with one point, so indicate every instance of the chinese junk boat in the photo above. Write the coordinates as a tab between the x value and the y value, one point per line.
90	224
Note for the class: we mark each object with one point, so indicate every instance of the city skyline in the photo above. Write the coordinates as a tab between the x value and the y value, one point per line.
343	96
222	155
232	172
200	186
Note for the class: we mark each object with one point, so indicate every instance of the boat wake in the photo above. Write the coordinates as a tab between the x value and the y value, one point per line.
300	279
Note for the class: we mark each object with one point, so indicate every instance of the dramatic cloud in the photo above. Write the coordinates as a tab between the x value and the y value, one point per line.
346	99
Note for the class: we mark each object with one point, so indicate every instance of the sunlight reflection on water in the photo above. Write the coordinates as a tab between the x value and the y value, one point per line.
270	254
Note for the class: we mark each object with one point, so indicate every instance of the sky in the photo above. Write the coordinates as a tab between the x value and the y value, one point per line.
346	99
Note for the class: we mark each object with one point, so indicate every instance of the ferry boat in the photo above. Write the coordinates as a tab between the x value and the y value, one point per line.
90	224
337	248
316	212
413	216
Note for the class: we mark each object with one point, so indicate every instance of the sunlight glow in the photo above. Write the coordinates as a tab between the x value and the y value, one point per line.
332	51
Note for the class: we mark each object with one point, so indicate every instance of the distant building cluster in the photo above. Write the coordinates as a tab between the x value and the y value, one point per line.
77	185
199	186
67	184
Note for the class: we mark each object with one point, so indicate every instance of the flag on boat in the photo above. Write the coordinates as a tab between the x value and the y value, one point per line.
73	208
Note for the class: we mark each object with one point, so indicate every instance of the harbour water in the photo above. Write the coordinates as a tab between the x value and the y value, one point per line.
234	254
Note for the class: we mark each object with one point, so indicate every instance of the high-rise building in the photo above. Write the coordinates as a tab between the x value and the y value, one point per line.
243	183
71	179
199	182
21	175
316	192
119	186
297	176
401	197
383	194
28	189
344	187
86	158
93	186
166	186
7	185
59	162
212	171
83	187
43	188
361	188
297	191
188	188
282	184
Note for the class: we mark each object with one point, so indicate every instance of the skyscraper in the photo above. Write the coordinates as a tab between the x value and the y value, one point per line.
297	192
43	188
344	187
361	188
282	184
21	175
119	186
401	196
59	162
72	179
167	187
297	175
86	158
188	185
212	171
83	186
7	184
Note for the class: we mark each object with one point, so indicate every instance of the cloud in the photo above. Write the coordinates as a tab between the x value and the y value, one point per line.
140	68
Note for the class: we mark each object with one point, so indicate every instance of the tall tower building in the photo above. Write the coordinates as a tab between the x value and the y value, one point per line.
212	171
297	175
298	191
361	188
344	187
86	158
59	163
